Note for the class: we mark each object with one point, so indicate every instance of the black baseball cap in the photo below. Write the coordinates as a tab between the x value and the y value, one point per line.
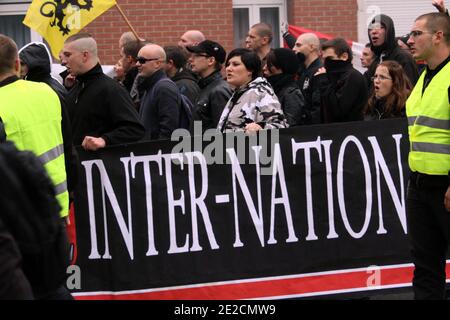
210	48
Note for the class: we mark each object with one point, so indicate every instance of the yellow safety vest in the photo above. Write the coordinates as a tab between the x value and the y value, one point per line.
429	125
31	113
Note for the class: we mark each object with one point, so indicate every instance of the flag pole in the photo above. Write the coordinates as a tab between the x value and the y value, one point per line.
127	21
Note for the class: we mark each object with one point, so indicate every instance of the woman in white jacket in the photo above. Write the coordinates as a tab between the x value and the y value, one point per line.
253	105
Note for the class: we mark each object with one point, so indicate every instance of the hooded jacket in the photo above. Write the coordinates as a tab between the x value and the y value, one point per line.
187	83
38	60
390	50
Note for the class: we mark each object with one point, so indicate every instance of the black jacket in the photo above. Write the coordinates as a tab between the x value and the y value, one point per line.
343	93
390	50
311	92
214	95
29	212
290	97
36	57
101	107
129	78
14	284
160	108
187	83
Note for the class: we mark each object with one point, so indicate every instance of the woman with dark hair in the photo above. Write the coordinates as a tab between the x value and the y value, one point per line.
253	105
280	67
391	90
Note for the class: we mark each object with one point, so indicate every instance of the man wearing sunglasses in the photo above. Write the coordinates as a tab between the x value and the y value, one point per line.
428	197
161	104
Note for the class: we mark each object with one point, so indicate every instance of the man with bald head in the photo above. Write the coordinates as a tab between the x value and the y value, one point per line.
101	111
161	104
307	48
191	38
259	38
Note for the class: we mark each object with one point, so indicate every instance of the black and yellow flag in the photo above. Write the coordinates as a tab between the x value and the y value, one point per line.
57	20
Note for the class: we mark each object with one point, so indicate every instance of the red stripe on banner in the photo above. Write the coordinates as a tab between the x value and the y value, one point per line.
302	285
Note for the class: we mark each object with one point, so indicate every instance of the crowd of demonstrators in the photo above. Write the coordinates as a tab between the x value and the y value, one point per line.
280	68
114	119
206	61
313	82
428	195
391	90
175	68
253	105
160	108
343	89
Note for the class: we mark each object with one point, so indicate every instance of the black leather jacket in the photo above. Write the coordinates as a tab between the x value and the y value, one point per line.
214	95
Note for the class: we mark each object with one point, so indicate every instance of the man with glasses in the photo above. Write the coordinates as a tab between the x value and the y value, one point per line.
206	60
161	104
100	109
381	32
428	198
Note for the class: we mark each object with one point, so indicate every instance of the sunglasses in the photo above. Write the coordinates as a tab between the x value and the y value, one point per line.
143	60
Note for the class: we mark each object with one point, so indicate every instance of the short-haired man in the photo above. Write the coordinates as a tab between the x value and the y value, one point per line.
259	38
367	58
343	88
160	109
307	48
128	55
100	109
206	60
428	197
381	32
175	68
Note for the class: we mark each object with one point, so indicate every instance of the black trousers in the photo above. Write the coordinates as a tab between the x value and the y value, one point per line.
429	233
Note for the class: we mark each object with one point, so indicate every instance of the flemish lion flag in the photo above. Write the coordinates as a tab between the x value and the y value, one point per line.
57	20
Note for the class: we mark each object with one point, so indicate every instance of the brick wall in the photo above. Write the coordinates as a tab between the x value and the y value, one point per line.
334	17
162	22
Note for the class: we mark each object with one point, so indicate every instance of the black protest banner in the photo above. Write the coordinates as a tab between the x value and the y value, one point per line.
291	213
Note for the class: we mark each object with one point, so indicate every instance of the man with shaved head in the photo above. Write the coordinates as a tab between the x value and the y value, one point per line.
259	38
307	48
101	111
191	38
161	104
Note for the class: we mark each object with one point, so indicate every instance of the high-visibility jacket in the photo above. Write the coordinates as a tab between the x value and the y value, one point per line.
31	113
429	125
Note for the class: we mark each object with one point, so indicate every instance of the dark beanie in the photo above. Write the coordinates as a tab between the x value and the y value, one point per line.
287	60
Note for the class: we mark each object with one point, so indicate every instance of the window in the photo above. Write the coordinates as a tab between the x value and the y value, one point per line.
12	14
247	13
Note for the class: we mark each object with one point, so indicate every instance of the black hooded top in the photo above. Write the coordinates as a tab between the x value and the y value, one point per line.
37	57
390	50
